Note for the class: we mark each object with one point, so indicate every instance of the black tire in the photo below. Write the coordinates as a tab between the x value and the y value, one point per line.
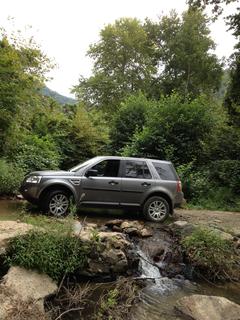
56	203
156	209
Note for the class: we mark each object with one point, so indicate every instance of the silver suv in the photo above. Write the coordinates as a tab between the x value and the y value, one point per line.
150	185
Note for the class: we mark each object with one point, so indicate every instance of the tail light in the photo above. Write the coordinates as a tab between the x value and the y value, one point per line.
179	186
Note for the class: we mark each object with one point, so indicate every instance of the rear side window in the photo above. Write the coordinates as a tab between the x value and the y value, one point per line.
137	169
165	171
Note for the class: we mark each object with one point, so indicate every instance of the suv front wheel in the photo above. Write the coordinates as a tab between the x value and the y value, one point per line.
56	203
156	209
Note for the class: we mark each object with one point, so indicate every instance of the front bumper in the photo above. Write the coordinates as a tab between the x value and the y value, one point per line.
30	192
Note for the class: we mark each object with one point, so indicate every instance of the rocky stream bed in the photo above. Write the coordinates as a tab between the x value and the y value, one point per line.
146	252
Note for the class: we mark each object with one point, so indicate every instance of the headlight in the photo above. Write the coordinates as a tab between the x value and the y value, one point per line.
34	179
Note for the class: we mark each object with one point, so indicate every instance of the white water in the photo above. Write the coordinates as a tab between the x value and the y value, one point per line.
150	271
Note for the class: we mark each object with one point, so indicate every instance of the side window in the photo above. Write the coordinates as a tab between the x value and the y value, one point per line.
165	171
137	169
107	168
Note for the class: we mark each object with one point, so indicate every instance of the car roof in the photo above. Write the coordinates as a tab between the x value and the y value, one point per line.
132	158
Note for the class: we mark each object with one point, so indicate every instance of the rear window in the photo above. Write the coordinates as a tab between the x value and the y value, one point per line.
165	171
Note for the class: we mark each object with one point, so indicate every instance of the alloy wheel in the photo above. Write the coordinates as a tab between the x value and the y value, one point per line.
58	205
157	210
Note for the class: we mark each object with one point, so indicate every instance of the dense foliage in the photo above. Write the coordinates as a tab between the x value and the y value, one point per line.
157	90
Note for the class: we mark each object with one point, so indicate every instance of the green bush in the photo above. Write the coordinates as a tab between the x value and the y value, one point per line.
48	252
10	177
213	187
36	153
196	183
175	129
210	255
129	119
226	173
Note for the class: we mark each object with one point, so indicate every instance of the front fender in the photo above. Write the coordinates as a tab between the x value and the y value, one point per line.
57	182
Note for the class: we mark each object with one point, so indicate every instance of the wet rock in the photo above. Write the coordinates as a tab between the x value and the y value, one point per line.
146	233
136	228
9	230
116	259
113	254
200	307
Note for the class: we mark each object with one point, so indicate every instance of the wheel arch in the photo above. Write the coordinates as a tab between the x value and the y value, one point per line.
163	195
56	186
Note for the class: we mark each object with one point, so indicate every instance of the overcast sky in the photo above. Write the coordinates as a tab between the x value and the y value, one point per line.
65	28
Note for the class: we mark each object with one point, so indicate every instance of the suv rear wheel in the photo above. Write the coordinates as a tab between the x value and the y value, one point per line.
56	203
156	209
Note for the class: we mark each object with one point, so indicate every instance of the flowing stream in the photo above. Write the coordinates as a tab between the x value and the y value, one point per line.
158	298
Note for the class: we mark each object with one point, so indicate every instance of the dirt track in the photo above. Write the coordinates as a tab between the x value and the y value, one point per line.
230	221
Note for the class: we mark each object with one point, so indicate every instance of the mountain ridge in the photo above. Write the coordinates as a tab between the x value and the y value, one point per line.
57	96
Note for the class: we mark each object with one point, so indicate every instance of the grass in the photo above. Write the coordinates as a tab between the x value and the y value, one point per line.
210	255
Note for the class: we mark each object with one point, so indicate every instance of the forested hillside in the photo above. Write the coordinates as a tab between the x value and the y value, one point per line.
57	96
157	90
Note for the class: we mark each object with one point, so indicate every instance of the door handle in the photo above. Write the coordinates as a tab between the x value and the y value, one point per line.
112	183
146	184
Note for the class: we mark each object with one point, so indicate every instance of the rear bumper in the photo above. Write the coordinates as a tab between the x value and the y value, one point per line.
179	199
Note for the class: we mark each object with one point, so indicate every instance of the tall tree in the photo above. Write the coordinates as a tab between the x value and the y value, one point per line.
123	65
232	99
186	61
22	70
173	54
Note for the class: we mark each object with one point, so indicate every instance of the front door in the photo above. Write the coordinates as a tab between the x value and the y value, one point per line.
104	187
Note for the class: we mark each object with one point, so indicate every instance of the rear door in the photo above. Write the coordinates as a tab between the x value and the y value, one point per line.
136	180
104	188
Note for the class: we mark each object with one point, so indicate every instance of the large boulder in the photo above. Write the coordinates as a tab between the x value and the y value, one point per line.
24	291
28	284
9	230
200	307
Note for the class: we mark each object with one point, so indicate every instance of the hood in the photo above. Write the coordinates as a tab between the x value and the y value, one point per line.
51	173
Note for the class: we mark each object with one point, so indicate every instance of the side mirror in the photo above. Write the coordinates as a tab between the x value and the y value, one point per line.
91	173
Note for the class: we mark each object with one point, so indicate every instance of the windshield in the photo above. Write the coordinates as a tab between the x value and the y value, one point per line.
84	164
